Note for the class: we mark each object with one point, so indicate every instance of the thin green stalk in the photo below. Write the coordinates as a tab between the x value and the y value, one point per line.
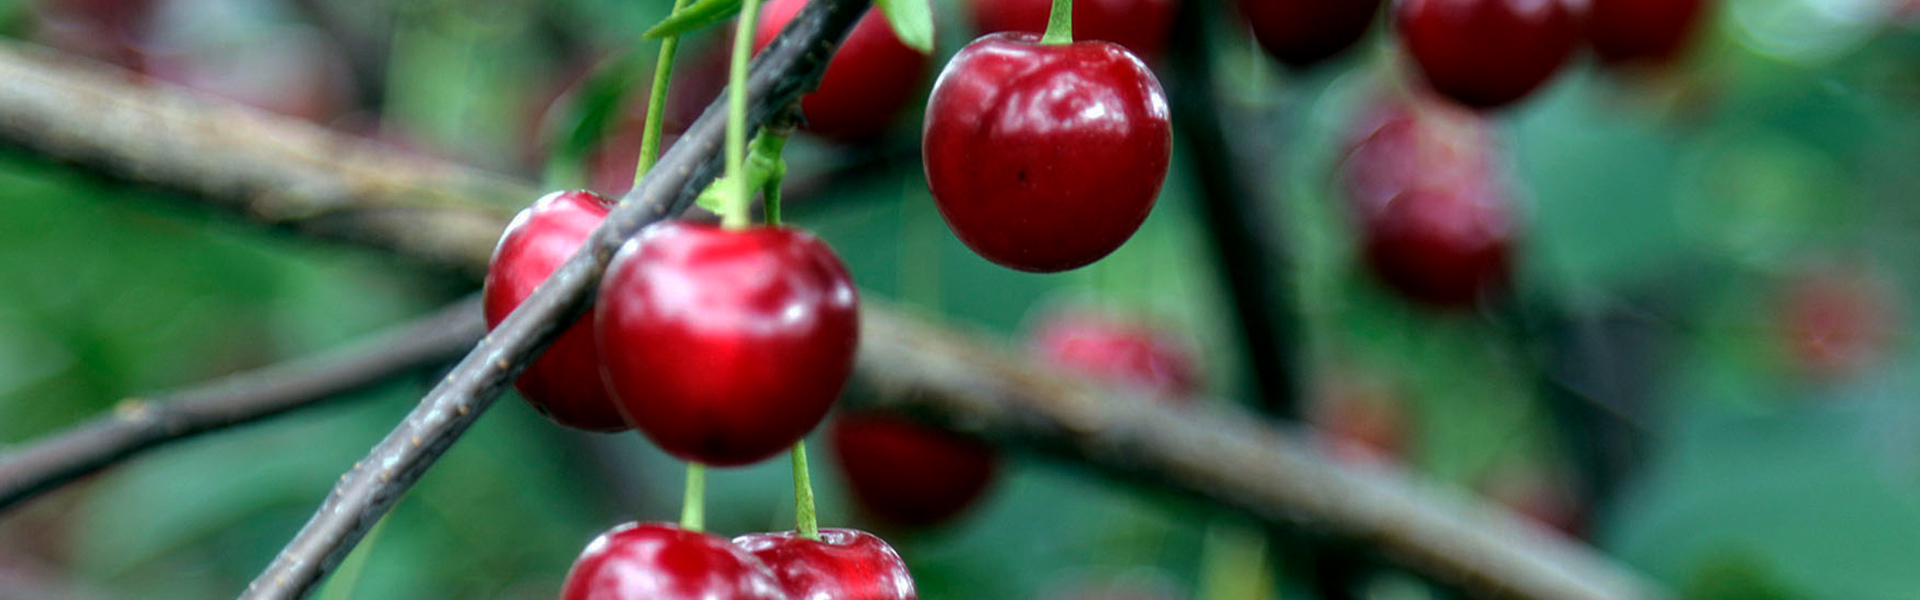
736	216
693	509
1059	24
657	103
803	509
773	145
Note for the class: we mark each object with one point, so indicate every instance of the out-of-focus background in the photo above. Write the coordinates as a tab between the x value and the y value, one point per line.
1729	240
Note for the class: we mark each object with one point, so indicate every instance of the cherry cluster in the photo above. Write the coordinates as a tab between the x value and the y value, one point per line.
723	346
661	561
1482	53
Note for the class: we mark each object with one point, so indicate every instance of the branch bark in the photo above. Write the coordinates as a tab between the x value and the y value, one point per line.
1247	240
948	377
139	424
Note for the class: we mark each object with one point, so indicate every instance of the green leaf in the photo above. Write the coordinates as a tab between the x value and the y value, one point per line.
912	22
699	14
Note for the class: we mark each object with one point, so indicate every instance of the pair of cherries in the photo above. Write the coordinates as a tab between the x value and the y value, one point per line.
661	561
723	346
1424	182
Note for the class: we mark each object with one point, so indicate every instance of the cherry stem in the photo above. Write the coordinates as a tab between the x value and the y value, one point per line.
1059	24
736	216
693	509
803	508
657	102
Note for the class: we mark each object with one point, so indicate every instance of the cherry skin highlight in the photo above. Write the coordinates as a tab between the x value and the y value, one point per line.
564	383
660	561
1487	53
1643	31
1143	26
906	473
1045	158
1119	353
726	346
869	81
1301	33
844	564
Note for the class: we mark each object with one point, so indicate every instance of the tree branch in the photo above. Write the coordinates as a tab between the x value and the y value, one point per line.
139	424
949	377
1247	240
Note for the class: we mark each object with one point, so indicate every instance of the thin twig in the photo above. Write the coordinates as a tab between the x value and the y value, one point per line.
948	377
141	424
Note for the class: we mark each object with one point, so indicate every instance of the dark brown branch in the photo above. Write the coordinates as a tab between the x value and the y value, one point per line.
141	424
1247	240
949	377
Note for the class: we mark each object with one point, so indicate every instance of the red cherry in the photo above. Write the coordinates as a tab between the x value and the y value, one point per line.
844	564
870	79
564	384
1303	32
1119	352
908	473
1045	157
1443	247
1838	321
660	561
1653	31
1487	53
726	346
1140	25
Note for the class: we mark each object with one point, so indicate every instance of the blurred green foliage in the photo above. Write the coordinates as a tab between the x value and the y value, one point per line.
1788	142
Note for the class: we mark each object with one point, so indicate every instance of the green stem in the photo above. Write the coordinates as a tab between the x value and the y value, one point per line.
803	510
771	194
657	103
693	510
774	145
736	215
1059	24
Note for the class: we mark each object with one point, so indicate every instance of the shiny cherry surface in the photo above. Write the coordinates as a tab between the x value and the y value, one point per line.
1442	247
906	473
1141	25
660	561
726	346
564	383
1301	33
1045	158
844	564
869	81
1487	53
1119	352
1651	31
